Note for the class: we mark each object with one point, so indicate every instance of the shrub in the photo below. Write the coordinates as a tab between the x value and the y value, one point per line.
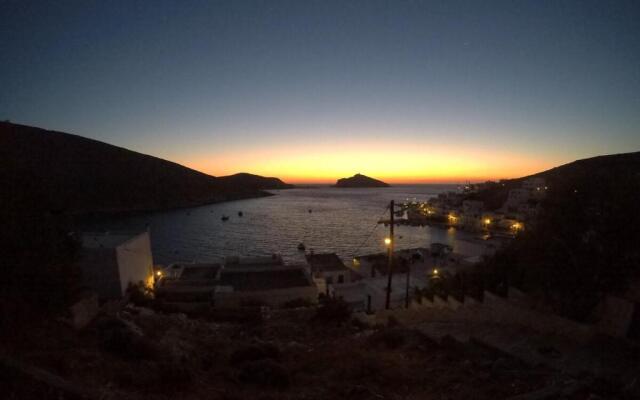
392	338
117	338
265	373
333	310
399	337
360	324
253	303
140	295
297	303
255	352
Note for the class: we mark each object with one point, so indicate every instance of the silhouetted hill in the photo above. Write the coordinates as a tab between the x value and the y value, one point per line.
584	243
584	173
256	182
359	181
72	174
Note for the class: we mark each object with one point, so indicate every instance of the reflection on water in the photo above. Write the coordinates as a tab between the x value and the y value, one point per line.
341	221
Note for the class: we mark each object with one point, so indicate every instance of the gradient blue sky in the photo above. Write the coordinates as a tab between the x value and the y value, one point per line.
315	90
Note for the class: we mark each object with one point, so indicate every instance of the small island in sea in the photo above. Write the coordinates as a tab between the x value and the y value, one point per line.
360	181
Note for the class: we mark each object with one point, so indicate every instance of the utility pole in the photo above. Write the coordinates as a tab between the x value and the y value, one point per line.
390	253
406	296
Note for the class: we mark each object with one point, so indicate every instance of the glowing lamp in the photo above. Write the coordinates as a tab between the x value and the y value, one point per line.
387	241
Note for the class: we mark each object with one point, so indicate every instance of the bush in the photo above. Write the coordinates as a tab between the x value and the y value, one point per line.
140	295
398	337
360	324
164	376
392	338
333	310
297	303
253	303
265	373
255	352
117	338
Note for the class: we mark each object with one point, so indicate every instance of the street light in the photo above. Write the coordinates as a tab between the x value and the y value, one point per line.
387	241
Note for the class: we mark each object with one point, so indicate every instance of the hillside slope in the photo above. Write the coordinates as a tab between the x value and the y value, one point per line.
73	174
250	181
584	242
587	173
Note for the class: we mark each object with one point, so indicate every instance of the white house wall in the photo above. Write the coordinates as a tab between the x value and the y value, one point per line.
135	261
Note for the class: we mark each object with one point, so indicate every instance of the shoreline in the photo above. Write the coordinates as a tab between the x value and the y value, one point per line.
122	213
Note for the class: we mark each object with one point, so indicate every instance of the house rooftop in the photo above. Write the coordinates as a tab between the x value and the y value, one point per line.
200	271
273	260
254	280
325	262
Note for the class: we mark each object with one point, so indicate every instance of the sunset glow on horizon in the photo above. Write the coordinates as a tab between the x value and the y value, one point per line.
389	162
312	91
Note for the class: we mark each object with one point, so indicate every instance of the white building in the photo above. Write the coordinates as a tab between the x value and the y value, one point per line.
274	286
516	198
329	267
240	281
110	262
472	208
536	183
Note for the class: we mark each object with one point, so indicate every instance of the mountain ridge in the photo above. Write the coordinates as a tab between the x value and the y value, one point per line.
72	174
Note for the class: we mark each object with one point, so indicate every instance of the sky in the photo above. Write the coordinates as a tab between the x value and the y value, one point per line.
311	91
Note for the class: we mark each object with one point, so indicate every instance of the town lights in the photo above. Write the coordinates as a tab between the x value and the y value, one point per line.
487	221
158	274
435	271
387	241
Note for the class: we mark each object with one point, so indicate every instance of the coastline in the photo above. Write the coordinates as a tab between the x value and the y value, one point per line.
98	214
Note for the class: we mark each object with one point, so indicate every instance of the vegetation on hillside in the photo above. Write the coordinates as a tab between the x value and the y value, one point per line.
584	243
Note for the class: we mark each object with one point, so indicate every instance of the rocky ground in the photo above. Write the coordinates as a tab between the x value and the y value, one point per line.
137	353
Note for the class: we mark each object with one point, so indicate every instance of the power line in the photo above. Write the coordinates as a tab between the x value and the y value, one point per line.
371	232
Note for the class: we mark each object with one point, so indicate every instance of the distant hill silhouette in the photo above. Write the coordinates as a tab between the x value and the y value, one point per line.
72	174
585	172
250	181
360	181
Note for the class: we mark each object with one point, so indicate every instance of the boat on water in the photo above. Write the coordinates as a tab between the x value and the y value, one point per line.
301	247
225	218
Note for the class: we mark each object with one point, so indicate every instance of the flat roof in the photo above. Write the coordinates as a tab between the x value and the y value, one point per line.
255	280
200	271
253	262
